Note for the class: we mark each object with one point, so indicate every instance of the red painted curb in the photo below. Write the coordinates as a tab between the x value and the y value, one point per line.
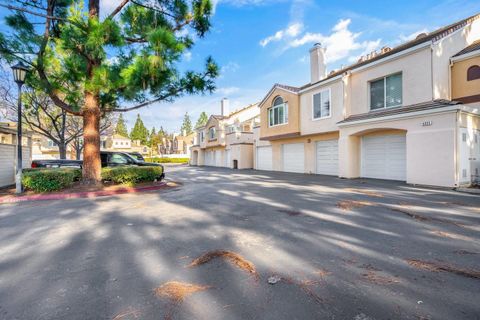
86	194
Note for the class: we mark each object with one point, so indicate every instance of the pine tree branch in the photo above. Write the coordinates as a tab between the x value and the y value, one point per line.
49	17
118	9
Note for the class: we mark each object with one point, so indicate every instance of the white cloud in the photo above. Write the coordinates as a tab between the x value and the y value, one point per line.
226	91
341	43
230	67
187	56
292	30
405	38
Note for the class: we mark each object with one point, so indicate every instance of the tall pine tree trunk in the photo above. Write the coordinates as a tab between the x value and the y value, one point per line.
92	164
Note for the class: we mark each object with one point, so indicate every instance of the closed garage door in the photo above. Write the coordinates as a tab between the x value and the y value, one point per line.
209	158
327	157
218	158
294	157
228	162
384	157
264	158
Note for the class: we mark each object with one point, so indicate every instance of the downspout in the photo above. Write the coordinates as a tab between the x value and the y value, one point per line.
455	144
431	70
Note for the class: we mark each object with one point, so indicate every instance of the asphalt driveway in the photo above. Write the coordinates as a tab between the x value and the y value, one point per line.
337	249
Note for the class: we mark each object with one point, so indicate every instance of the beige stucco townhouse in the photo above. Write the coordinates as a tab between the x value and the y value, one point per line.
227	139
409	113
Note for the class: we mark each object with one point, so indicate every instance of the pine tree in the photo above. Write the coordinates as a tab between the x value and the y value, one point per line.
139	131
121	127
202	120
186	125
91	63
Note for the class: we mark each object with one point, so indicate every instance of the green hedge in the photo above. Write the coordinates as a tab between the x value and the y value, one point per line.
130	175
51	179
167	160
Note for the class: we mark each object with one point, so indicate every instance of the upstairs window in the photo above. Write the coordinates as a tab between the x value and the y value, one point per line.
278	113
202	136
473	73
321	104
386	92
211	133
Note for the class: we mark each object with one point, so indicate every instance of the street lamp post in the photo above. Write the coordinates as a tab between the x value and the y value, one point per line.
19	73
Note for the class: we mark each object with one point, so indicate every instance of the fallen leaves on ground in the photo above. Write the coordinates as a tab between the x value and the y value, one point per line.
348	205
463	251
412	214
304	285
373	277
178	291
367	192
322	272
130	312
443	267
232	257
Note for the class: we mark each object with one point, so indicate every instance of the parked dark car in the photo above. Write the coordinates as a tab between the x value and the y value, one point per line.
137	156
109	159
57	163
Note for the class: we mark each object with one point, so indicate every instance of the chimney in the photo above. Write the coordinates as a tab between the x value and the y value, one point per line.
184	132
225	107
318	69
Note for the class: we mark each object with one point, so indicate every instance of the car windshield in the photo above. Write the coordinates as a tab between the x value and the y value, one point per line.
137	156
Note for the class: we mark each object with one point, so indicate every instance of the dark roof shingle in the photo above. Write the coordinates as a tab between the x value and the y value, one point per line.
473	47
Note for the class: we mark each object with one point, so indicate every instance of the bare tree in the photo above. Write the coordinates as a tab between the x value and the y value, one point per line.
42	116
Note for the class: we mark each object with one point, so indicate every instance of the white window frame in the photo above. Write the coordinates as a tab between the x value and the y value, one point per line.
285	114
210	130
313	104
384	91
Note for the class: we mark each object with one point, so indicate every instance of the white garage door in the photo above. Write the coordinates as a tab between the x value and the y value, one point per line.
218	158
209	158
327	157
264	158
228	161
384	157
294	157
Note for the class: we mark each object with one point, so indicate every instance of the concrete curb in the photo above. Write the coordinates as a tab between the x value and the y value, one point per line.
85	194
468	190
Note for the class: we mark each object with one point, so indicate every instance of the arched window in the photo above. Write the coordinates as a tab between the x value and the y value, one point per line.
278	113
473	73
277	101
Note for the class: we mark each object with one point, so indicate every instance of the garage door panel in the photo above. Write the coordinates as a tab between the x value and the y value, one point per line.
293	157
264	158
384	157
327	157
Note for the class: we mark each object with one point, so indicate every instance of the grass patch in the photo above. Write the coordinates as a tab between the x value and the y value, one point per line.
167	160
443	267
232	257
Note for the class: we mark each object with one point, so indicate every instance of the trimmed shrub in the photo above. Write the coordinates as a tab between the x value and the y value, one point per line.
51	179
167	160
131	175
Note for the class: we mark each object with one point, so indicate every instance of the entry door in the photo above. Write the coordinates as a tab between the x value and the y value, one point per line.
469	155
327	157
384	157
294	157
264	158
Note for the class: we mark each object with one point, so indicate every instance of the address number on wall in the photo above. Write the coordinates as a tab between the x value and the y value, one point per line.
427	123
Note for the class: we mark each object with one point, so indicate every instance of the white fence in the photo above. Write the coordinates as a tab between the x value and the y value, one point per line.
8	156
179	155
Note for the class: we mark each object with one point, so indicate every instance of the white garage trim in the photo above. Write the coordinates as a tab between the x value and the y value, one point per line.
384	157
326	157
228	158
293	156
264	158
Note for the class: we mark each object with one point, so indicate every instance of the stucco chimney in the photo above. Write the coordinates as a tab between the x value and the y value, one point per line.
184	132
318	68
225	107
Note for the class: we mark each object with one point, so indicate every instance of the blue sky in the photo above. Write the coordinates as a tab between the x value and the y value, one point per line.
261	42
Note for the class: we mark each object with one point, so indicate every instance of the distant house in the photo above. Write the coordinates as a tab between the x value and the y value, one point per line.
8	152
118	142
226	140
44	148
182	143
